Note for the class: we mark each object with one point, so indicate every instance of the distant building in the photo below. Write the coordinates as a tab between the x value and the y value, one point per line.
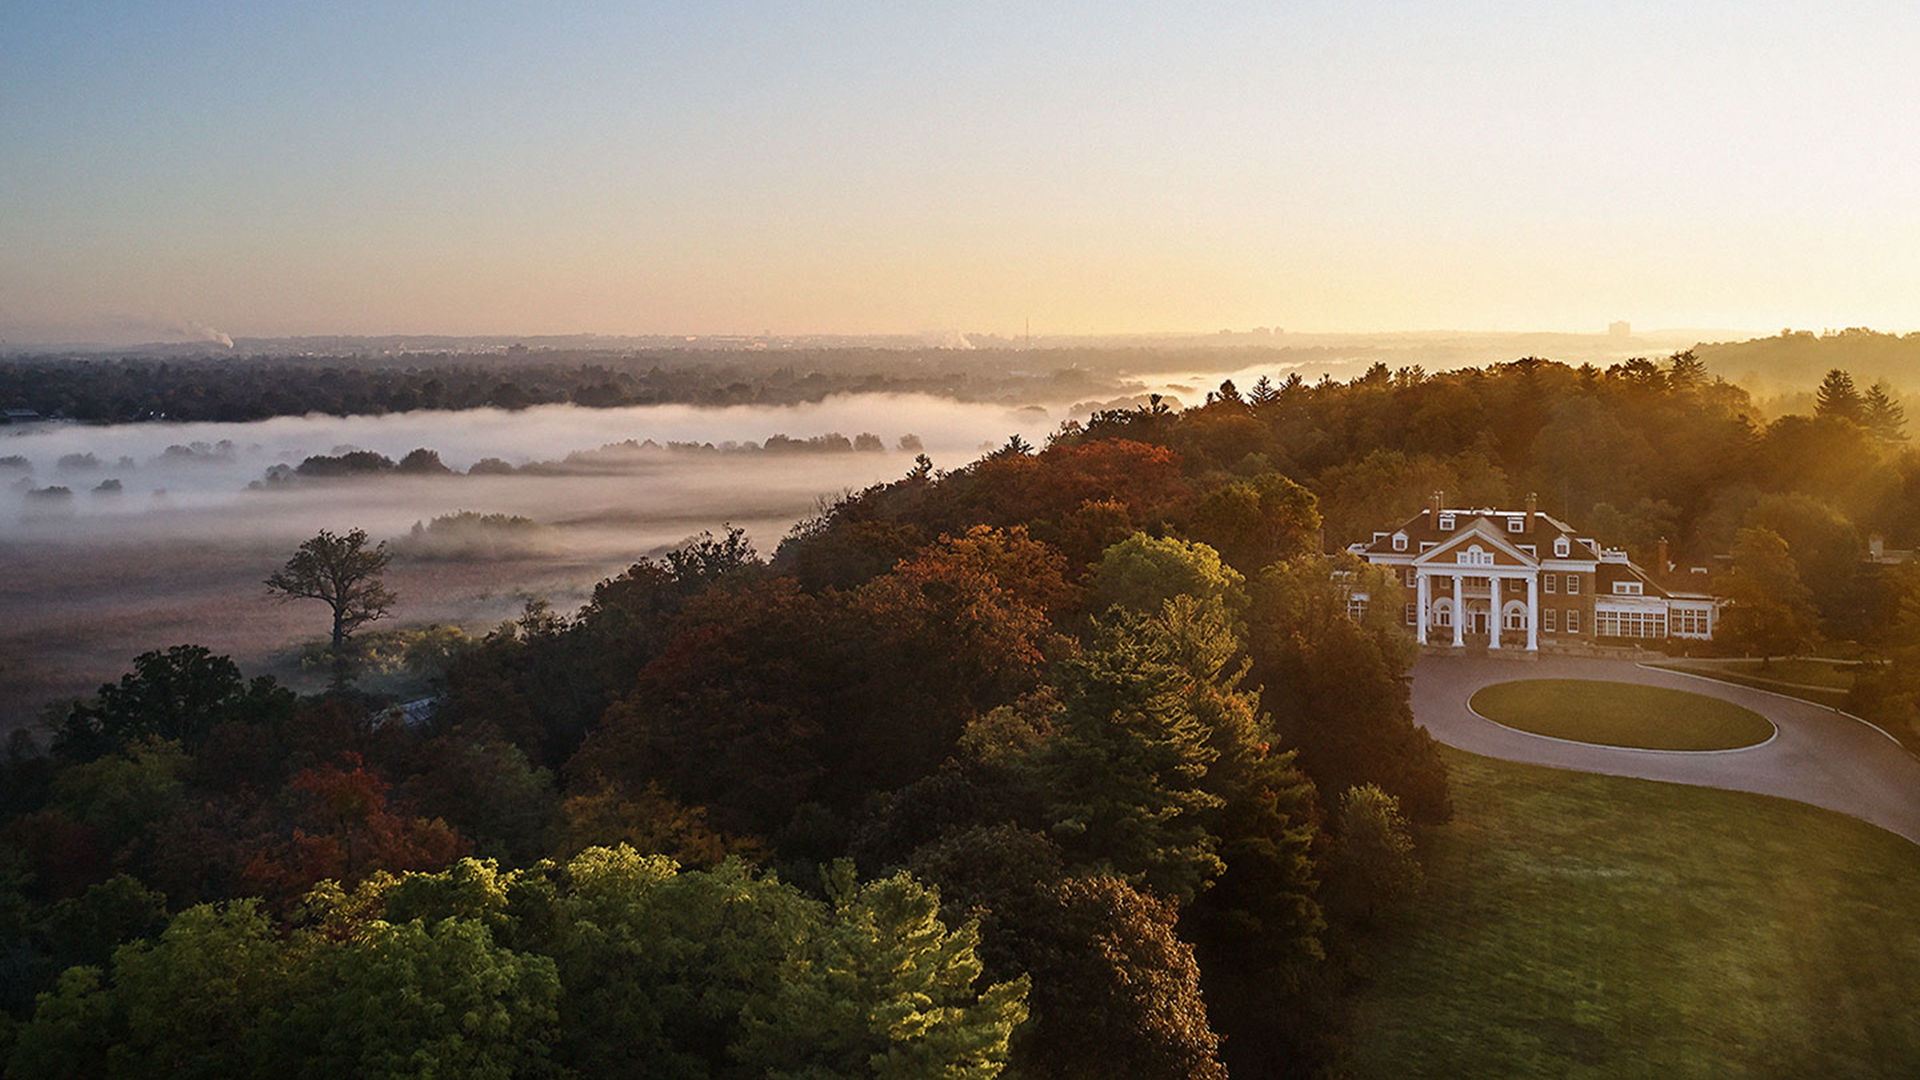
1521	579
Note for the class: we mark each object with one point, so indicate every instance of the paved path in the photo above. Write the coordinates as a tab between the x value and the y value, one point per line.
1818	757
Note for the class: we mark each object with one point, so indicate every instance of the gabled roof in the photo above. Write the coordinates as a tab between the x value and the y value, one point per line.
1479	530
1422	528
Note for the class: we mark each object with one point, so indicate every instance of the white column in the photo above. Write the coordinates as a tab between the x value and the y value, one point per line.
1459	615
1420	606
1533	613
1493	616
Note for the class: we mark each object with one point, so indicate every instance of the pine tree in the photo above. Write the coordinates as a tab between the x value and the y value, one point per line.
1882	415
1837	397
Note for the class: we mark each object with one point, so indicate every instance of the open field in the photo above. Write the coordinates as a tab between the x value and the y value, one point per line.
1621	714
1588	926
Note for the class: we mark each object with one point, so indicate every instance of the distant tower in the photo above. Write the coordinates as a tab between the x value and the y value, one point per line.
1623	328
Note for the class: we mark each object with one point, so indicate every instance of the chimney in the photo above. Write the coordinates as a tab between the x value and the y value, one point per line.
1533	507
1660	563
1433	508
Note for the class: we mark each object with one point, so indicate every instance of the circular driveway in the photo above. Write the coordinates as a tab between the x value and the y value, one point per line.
1819	756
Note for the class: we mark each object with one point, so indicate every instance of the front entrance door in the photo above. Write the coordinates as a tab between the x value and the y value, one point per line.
1477	622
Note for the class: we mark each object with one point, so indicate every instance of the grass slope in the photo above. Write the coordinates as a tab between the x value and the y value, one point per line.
1592	926
1621	714
1811	686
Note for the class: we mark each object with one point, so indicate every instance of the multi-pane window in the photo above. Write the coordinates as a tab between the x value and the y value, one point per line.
1573	584
1630	624
1356	606
1573	622
1413	614
1412	576
1550	620
1552	581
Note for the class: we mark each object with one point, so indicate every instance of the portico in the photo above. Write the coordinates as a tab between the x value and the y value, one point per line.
1511	595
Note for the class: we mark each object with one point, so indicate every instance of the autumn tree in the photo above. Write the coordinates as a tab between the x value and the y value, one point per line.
345	573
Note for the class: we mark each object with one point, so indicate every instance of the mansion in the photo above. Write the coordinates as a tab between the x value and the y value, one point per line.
1521	579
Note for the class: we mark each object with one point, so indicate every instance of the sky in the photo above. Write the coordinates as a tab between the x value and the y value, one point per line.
189	169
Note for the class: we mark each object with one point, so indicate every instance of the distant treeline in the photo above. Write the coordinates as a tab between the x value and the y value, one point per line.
1796	359
613	457
255	388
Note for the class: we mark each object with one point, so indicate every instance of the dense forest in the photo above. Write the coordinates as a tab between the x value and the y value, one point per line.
240	388
1072	761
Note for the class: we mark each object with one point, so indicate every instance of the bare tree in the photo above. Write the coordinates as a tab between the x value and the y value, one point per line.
344	572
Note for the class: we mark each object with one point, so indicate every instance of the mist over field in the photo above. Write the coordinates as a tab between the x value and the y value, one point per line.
178	553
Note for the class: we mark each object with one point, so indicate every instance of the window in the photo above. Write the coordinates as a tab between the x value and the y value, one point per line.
1629	624
1356	606
1516	524
1573	584
1412	577
1413	614
1516	618
1561	547
1551	580
1426	546
1446	522
1573	622
1443	615
1531	550
1626	588
1399	541
1474	556
1690	623
1550	620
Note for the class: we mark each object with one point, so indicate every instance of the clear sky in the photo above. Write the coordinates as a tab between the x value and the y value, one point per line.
708	167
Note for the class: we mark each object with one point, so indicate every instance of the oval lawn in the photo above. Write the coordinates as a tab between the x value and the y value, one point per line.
1621	714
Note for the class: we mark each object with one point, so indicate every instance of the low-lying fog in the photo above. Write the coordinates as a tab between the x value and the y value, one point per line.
177	549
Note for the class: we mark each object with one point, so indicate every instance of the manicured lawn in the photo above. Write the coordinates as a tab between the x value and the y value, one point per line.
1621	714
1590	926
1805	671
1808	680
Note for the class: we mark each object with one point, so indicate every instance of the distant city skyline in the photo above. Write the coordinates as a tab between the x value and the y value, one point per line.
186	171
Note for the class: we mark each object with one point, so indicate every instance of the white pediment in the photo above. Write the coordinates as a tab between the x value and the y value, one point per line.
1479	533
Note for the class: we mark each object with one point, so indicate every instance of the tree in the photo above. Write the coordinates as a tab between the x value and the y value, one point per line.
1837	397
344	572
1140	573
1882	415
1769	612
1375	870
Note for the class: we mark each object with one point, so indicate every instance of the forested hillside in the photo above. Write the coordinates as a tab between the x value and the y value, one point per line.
1074	762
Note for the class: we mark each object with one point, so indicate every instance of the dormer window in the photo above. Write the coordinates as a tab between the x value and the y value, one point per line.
1399	541
1446	522
1516	524
1561	547
1626	588
1531	550
1426	546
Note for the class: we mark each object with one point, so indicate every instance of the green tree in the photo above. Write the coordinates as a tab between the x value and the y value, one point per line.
1123	778
181	693
1769	612
1375	871
1141	573
345	573
884	991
